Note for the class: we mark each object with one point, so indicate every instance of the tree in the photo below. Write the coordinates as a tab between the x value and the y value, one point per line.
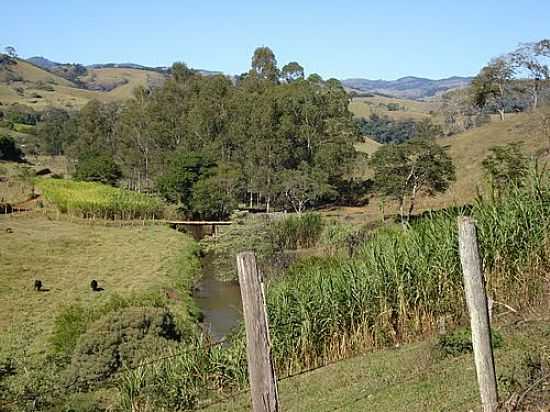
402	171
180	72
303	186
55	132
9	150
506	165
10	51
426	129
492	85
292	72
264	64
531	58
215	194
94	167
182	172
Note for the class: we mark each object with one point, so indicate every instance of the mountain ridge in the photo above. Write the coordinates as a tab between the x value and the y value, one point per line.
409	87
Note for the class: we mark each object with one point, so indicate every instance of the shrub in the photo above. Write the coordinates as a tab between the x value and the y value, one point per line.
68	326
9	150
121	338
459	342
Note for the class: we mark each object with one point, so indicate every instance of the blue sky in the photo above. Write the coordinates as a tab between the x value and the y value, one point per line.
342	39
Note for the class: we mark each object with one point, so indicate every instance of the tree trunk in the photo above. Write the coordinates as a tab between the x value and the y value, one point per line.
501	113
401	210
413	201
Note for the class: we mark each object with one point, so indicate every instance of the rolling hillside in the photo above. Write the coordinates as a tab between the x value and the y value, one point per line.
467	151
38	88
408	109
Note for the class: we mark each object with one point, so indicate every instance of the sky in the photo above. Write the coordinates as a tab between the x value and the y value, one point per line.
341	39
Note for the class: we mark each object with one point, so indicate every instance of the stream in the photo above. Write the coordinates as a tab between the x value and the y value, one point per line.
219	301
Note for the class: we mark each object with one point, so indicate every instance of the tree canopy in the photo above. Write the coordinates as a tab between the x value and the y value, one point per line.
402	171
182	138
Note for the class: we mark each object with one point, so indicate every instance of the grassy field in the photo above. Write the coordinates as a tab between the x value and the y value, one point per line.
67	255
410	109
368	146
410	378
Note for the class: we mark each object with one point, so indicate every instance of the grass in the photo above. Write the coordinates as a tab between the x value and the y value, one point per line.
368	146
96	200
413	109
409	378
400	282
66	256
128	80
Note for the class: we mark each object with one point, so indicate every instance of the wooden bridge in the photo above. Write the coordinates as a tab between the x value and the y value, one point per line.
198	228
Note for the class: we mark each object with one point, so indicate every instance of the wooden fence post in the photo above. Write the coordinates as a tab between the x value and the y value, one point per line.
263	381
476	299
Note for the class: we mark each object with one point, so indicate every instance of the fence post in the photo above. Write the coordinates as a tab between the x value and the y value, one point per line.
263	381
476	299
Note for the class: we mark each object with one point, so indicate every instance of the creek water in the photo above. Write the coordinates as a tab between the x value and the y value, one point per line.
220	302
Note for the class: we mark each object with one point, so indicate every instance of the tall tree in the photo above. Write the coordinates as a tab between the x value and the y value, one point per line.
493	84
264	64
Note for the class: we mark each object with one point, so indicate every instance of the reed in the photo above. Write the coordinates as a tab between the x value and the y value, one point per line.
402	280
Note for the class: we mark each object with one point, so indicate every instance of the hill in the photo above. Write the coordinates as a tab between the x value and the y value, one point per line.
408	87
467	150
23	82
395	108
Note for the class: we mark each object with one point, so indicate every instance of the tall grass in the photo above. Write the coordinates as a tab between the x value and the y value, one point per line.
95	200
300	231
401	281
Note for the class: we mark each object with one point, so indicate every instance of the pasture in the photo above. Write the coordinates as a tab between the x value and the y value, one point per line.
66	255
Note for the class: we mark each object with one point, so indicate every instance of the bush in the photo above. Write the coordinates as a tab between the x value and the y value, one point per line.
68	326
121	339
459	342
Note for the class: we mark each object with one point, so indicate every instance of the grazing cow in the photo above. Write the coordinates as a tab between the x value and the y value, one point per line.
94	285
38	285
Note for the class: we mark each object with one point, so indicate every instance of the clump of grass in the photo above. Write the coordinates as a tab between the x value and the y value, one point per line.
300	231
459	342
95	200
